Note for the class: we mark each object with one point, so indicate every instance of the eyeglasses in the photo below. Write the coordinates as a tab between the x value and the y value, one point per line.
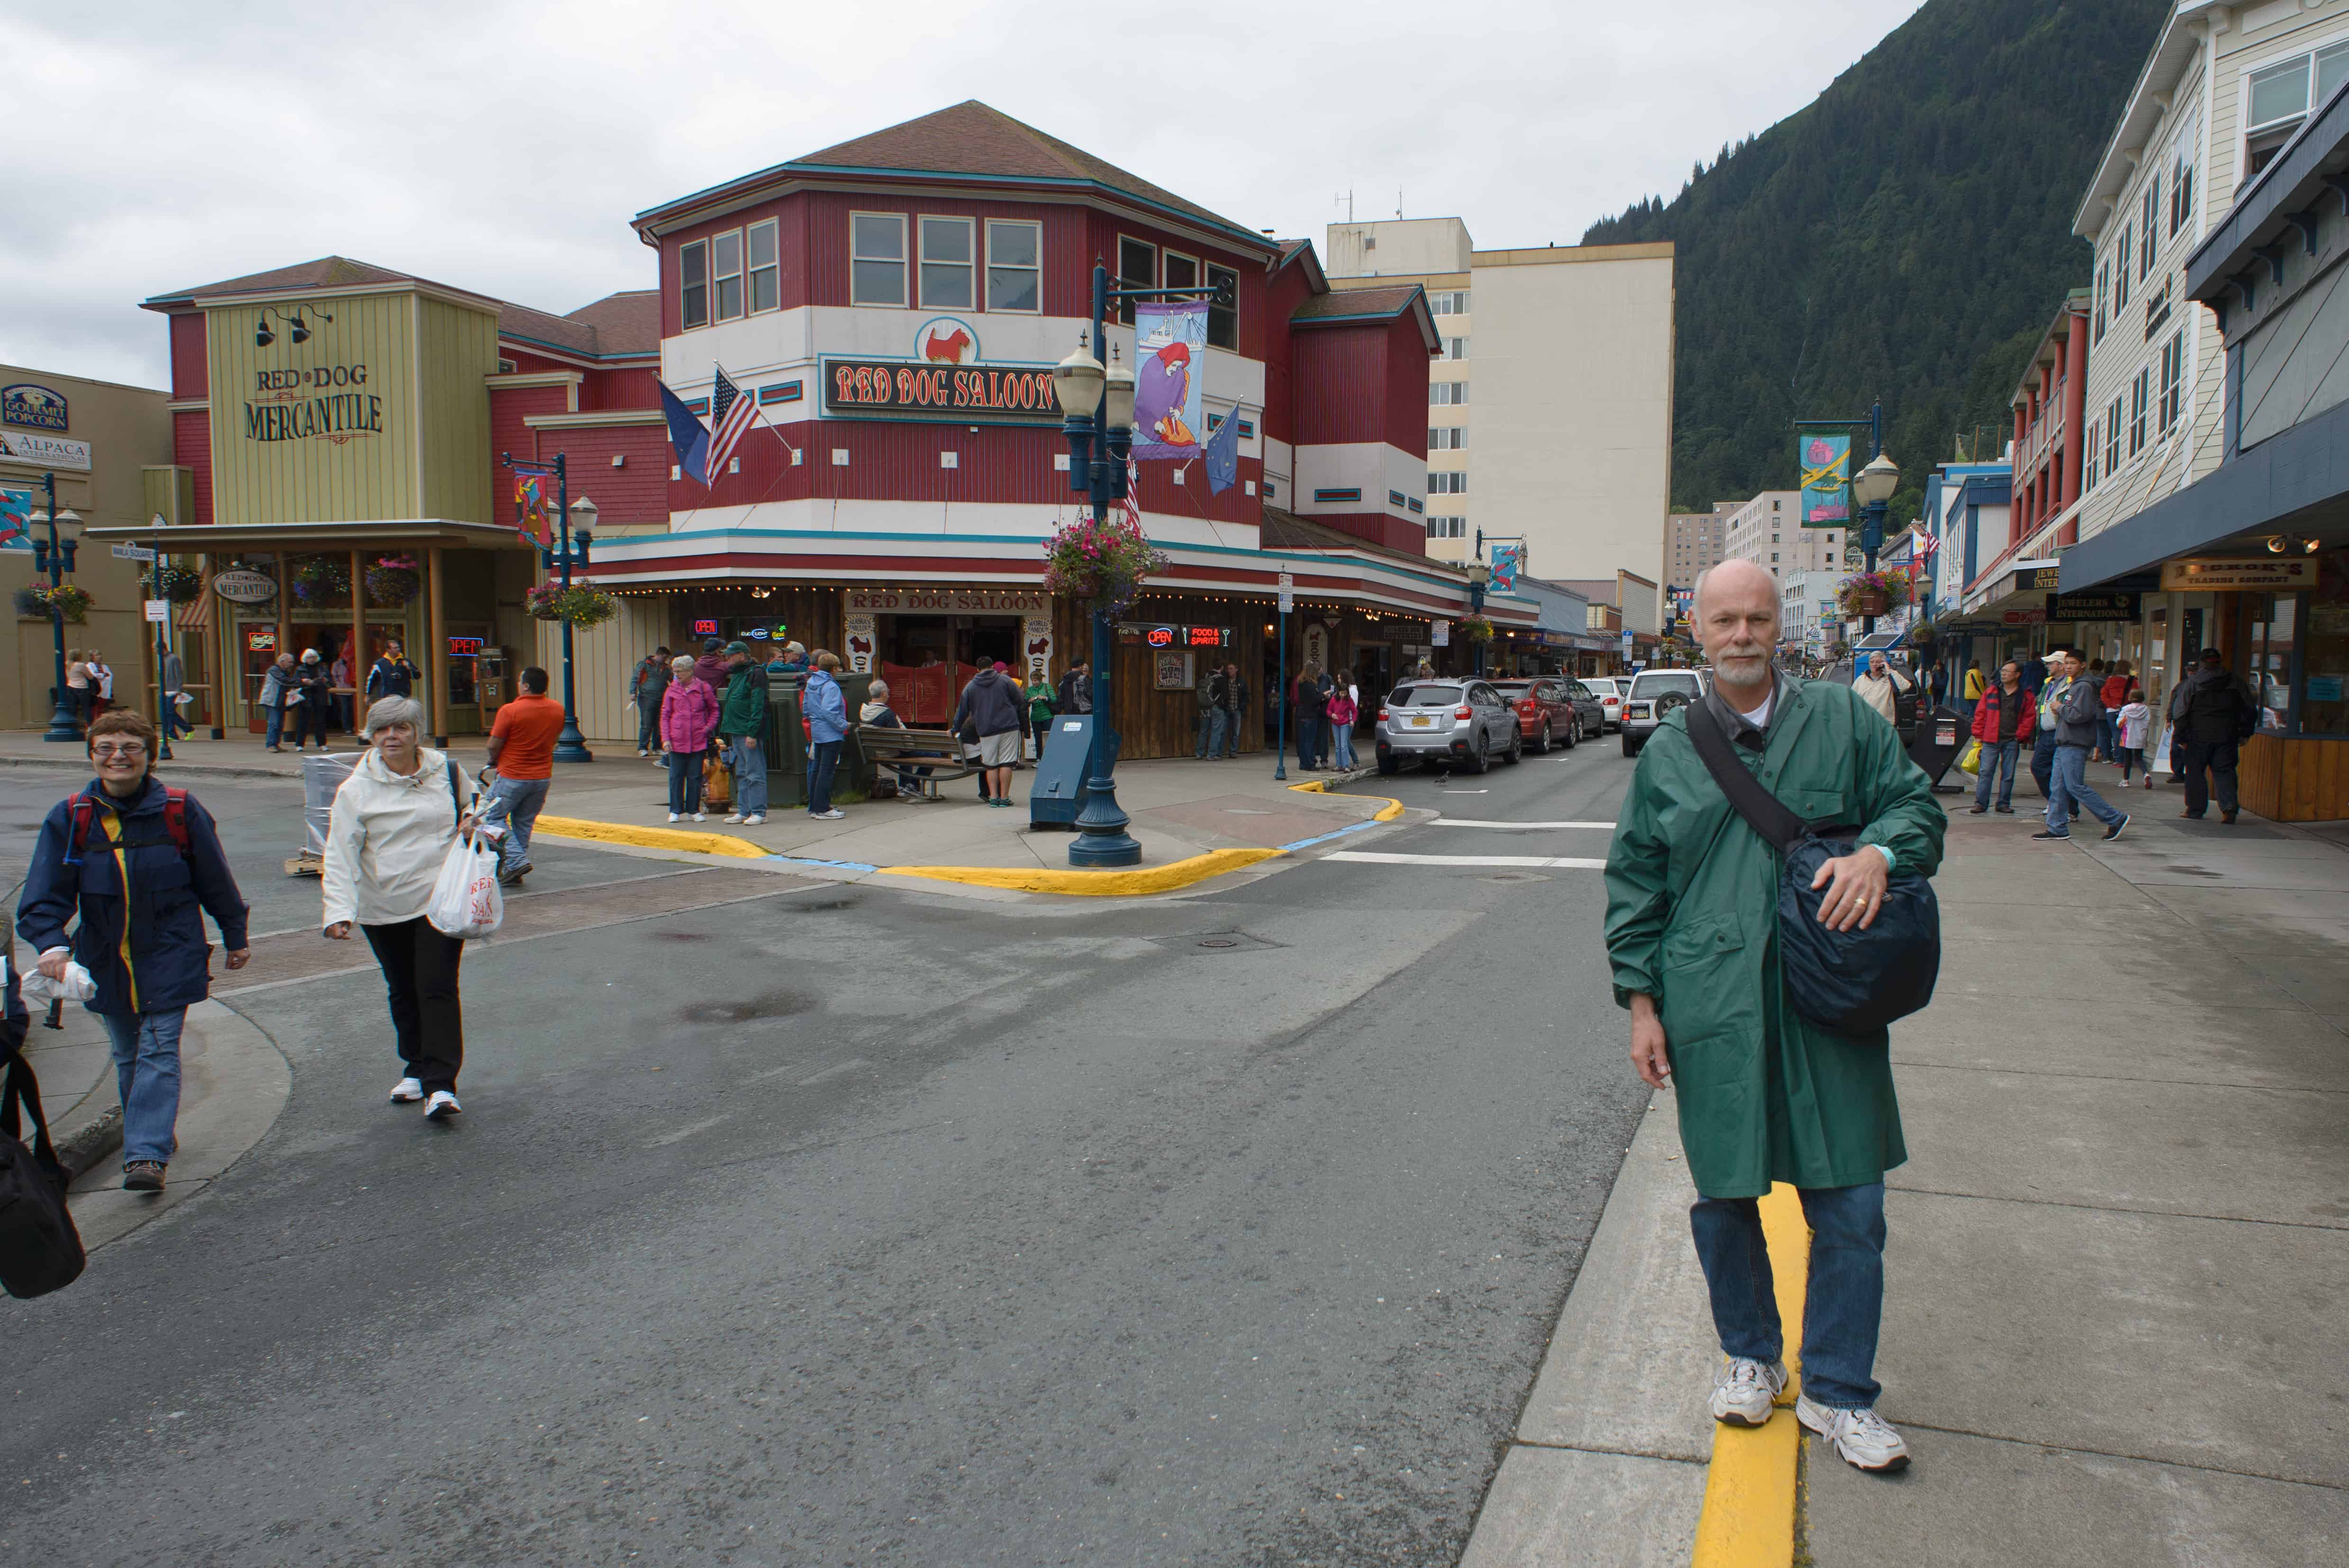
129	749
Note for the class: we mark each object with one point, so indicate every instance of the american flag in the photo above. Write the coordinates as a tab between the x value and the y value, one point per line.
731	413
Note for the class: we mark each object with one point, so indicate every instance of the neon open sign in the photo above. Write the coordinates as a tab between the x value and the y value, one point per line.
465	647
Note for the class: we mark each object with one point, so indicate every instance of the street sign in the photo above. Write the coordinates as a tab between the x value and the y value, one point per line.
133	552
158	610
1287	602
1439	634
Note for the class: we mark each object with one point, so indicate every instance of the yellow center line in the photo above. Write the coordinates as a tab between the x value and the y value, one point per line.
1749	1490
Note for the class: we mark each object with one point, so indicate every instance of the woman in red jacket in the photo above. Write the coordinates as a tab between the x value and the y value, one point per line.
2114	698
2003	721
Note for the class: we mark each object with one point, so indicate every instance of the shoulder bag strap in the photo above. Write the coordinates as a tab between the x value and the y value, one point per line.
1763	812
456	791
19	1088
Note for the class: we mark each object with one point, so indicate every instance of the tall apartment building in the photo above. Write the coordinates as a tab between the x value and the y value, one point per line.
1768	531
1550	408
1694	540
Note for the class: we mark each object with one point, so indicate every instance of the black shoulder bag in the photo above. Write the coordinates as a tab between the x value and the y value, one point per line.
40	1251
1847	982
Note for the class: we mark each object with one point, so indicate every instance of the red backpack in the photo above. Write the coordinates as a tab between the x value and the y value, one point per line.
84	815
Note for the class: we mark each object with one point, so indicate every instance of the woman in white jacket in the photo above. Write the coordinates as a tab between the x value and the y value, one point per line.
392	823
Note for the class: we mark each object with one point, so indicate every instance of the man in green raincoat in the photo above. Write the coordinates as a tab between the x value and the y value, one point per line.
1764	1095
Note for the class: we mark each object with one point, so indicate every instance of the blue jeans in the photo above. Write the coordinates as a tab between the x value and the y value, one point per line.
2107	741
1995	755
516	803
823	756
1231	732
147	1073
1843	1307
2072	791
648	723
685	781
1210	722
1308	739
2042	763
749	778
275	718
1341	744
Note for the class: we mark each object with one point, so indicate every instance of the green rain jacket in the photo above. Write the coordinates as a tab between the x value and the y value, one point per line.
1692	920
745	708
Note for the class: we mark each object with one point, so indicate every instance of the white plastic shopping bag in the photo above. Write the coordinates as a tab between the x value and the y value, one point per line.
77	986
466	901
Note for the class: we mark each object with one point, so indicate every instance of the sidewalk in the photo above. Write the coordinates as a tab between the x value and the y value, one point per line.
2113	1330
1207	817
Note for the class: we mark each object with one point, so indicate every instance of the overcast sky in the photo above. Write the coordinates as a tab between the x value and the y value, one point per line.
501	148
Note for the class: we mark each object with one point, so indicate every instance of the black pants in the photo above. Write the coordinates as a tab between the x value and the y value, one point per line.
419	969
2218	756
310	721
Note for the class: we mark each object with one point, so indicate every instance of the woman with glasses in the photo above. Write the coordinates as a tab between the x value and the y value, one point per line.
142	865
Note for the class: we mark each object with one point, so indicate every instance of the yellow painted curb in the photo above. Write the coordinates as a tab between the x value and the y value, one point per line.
650	838
1168	878
1749	1490
1386	813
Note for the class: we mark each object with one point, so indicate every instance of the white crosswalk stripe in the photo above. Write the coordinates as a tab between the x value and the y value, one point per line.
1565	862
1516	826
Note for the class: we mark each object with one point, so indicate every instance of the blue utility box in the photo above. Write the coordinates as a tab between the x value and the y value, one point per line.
1058	794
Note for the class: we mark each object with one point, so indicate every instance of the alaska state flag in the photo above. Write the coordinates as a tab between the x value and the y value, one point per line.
1222	453
686	436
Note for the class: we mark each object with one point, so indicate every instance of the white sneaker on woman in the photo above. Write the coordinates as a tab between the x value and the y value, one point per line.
441	1106
1861	1438
701	816
1746	1389
407	1091
672	816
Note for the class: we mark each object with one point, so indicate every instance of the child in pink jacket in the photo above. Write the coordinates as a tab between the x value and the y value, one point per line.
688	717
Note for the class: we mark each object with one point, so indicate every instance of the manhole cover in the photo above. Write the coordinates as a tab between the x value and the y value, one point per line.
1215	942
1513	877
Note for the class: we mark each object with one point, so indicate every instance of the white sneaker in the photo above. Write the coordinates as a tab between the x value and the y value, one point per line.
1861	1438
701	816
1746	1389
672	816
441	1106
407	1091
753	822
734	817
642	752
834	815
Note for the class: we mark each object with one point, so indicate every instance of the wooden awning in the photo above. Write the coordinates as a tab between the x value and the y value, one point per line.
215	537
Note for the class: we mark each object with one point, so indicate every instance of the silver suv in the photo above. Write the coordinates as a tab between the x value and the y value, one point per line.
1461	723
1653	694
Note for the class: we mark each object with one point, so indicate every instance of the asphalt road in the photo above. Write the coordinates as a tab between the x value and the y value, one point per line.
848	1224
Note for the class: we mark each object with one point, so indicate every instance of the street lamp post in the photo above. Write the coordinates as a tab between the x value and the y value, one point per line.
1097	408
1871	488
56	556
575	530
164	714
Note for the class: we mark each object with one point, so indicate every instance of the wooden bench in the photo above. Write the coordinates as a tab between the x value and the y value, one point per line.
903	750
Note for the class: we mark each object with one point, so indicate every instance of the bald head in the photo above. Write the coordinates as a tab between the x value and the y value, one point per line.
1735	576
1737	621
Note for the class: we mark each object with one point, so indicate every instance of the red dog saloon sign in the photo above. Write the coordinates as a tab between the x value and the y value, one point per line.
939	389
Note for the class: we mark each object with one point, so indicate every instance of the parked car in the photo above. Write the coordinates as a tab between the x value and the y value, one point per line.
1609	690
1545	718
1589	708
1454	723
1654	693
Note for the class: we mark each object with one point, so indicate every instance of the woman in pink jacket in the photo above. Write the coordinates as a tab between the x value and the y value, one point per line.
688	717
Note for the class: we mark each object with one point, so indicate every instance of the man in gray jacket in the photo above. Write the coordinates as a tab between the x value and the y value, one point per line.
2078	709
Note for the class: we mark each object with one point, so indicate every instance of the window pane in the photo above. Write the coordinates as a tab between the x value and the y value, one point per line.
881	239
763	288
2331	70
946	240
762	246
2326	669
880	283
945	285
730	299
1181	271
1012	245
726	254
2280	91
1012	288
694	267
1137	268
1224	309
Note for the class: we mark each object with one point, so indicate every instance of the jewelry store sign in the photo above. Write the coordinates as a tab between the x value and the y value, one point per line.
2275	576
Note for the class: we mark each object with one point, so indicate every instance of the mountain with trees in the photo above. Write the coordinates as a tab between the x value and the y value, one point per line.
1905	239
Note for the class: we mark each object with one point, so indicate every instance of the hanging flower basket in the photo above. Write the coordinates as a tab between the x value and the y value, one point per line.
1476	629
578	605
1106	563
392	581
177	583
320	579
35	603
1920	637
1871	592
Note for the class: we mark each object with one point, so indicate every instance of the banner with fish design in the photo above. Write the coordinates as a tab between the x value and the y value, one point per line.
1170	362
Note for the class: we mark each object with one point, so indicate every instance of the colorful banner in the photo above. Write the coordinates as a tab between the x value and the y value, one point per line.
16	519
1826	463
1169	353
1507	559
534	495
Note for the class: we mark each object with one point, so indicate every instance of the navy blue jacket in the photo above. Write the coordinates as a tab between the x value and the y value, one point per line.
163	963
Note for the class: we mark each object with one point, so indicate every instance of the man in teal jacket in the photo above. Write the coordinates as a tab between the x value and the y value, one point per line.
1766	1096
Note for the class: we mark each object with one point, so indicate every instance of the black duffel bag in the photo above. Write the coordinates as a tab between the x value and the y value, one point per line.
1847	982
40	1251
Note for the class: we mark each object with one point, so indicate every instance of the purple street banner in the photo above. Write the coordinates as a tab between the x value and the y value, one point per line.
1825	464
1170	359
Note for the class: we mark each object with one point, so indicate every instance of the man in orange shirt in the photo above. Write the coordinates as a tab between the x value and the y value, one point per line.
522	748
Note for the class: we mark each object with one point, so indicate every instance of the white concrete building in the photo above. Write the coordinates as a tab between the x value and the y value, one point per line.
1768	531
1550	410
1806	611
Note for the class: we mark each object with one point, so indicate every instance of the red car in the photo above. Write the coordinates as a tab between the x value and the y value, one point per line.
1544	716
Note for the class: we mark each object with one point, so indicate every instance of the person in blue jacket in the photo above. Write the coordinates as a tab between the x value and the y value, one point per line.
141	865
826	711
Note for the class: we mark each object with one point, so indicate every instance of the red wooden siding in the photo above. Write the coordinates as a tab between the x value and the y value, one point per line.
191	371
192	445
637	491
1342	385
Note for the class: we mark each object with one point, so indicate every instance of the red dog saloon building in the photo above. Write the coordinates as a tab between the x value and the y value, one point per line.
895	303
